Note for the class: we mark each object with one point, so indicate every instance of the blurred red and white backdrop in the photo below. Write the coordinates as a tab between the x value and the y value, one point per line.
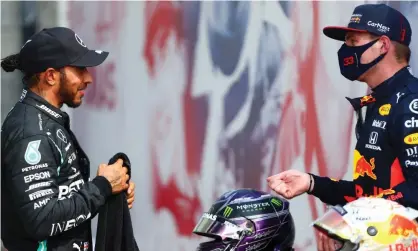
206	97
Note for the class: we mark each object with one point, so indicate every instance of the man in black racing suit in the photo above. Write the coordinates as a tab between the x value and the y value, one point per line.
47	198
385	160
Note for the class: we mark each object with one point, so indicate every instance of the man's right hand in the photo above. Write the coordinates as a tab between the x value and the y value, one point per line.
290	183
116	174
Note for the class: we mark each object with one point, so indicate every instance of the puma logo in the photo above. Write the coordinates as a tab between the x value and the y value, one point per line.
75	246
398	95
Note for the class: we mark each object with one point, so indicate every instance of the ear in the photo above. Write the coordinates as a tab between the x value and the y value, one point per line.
385	44
51	76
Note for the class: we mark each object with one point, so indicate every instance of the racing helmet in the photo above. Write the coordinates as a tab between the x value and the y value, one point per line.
369	224
246	219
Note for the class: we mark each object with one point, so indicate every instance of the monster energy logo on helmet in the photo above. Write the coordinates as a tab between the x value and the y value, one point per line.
227	212
253	206
276	202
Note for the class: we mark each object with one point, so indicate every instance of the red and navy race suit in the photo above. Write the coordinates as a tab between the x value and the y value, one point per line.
46	198
386	154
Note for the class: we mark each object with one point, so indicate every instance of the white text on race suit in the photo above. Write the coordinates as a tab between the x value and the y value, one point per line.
41	203
40	194
67	225
38	185
35	167
71	158
45	108
64	191
37	176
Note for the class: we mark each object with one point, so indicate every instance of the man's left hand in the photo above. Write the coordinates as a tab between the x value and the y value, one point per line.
131	194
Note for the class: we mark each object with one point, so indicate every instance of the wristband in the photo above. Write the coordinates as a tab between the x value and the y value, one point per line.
310	183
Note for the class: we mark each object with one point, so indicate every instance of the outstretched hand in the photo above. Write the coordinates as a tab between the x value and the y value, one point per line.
290	183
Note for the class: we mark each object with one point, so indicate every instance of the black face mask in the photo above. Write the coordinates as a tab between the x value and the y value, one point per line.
349	59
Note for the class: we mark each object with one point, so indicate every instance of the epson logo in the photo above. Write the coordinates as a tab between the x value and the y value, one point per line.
379	26
37	176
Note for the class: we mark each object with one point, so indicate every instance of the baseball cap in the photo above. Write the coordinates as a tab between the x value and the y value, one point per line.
378	19
55	48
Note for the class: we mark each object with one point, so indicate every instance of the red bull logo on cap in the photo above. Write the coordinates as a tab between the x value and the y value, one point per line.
355	18
362	167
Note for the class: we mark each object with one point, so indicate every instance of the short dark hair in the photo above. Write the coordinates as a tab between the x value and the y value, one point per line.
31	79
402	52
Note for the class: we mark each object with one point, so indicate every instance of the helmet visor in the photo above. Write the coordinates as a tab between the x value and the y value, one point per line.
214	226
334	224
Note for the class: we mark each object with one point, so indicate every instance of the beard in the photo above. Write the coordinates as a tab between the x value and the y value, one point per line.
66	93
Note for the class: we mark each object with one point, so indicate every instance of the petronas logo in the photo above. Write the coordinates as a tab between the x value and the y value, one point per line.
32	154
227	212
276	202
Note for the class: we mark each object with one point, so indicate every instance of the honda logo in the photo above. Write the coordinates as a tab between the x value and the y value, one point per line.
373	138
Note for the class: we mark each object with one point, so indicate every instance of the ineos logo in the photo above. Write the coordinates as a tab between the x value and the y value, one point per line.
79	40
373	138
413	106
